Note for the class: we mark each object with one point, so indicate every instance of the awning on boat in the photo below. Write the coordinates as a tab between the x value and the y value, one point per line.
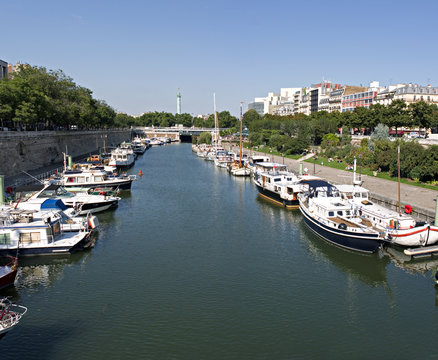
53	204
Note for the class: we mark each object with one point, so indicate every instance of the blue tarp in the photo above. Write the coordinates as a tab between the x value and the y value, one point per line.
53	204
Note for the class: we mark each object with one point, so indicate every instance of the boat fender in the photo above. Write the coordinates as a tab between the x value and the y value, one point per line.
342	226
408	209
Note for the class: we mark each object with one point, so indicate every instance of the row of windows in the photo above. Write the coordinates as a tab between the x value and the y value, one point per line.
366	101
80	179
5	239
360	95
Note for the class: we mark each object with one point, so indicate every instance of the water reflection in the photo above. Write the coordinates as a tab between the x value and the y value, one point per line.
368	268
43	271
410	264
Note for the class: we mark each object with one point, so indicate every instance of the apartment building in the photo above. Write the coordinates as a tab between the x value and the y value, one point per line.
3	69
414	93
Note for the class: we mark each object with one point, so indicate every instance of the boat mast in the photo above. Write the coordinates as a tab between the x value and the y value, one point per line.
398	161
215	121
241	121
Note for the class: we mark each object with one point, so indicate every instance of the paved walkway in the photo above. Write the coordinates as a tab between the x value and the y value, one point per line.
412	195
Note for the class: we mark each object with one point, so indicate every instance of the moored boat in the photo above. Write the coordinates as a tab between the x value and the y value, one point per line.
333	219
10	315
8	271
73	180
38	233
399	228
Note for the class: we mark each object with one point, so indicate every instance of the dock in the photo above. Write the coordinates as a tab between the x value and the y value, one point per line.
422	251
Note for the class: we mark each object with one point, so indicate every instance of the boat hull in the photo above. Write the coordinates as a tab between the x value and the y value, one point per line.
96	207
367	243
275	198
8	279
122	185
49	250
417	236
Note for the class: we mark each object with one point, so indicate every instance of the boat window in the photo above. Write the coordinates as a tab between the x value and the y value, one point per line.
5	239
340	213
71	180
56	228
348	213
290	191
331	213
81	179
357	195
277	179
30	237
98	178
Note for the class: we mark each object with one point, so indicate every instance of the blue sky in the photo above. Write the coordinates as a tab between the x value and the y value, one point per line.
136	54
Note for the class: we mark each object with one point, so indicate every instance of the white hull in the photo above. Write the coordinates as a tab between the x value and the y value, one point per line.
417	236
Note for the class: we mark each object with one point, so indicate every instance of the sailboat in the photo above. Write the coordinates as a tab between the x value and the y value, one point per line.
239	168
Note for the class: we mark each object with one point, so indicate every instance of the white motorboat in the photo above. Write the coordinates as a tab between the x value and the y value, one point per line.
138	146
122	157
73	180
333	218
40	234
223	158
32	196
156	142
10	315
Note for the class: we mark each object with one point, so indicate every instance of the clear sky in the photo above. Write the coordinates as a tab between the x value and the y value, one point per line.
136	54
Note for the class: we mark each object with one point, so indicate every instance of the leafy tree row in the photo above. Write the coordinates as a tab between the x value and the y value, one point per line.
37	98
293	134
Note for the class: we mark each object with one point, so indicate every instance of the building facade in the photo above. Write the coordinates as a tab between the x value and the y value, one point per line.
3	70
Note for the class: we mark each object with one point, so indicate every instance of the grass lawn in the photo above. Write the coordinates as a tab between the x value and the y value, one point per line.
267	151
365	171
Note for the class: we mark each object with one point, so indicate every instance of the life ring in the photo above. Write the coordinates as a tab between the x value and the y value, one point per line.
342	226
408	209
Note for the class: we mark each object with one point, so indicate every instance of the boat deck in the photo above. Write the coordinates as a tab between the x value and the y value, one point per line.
338	220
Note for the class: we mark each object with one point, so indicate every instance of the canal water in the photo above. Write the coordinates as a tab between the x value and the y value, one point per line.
193	265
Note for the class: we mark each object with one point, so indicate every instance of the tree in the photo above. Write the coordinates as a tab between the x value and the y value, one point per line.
250	116
330	140
397	115
381	132
421	114
204	138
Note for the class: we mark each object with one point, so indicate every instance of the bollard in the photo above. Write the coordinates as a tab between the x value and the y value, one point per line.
436	211
2	190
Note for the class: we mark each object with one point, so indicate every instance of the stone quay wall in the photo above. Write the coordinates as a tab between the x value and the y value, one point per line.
27	151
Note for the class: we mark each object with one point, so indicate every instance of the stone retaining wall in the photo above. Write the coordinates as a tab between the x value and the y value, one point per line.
26	151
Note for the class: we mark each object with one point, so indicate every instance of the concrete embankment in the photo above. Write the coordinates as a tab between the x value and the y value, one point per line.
37	152
382	191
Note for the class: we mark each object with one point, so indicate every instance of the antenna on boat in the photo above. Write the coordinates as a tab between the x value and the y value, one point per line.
33	177
215	121
241	126
398	163
355	182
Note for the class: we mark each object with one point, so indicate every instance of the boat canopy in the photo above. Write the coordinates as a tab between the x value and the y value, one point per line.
316	186
53	204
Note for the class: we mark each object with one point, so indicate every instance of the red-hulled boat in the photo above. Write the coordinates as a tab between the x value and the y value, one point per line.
8	271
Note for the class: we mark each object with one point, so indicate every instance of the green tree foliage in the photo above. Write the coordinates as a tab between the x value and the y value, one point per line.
204	138
329	140
37	97
381	132
250	116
